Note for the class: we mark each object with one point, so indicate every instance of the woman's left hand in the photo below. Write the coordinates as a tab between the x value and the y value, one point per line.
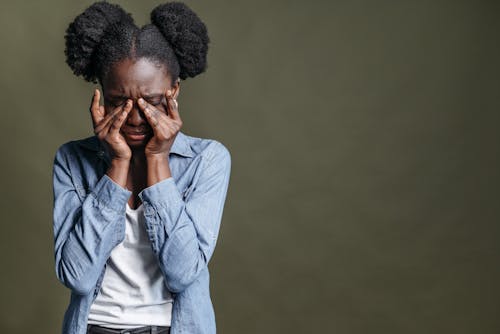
165	127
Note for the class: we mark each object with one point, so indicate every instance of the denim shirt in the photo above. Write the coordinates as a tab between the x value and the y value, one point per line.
183	215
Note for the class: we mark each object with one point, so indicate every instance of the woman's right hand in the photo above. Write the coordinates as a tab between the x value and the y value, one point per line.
107	127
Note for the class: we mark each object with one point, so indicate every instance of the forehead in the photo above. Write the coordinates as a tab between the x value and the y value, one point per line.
141	75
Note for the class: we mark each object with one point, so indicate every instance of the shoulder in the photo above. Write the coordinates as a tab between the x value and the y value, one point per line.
78	148
209	148
80	162
91	143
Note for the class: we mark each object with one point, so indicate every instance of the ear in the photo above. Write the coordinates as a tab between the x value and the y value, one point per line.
176	88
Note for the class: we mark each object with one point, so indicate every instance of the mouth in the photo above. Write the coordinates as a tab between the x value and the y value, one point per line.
136	135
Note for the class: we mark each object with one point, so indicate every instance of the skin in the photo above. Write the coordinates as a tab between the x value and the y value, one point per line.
138	97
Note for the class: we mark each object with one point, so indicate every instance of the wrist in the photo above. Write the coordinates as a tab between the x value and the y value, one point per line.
120	155
118	171
157	157
120	161
158	168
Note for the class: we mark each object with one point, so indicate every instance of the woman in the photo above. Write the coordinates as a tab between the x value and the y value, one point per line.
137	206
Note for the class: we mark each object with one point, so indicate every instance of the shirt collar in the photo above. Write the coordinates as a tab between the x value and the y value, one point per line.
180	146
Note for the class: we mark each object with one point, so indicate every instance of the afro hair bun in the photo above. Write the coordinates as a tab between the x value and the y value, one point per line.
84	34
187	35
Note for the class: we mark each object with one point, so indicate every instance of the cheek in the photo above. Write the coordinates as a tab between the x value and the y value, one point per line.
162	106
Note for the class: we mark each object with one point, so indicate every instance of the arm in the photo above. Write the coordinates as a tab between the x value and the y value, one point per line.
184	233
87	228
85	231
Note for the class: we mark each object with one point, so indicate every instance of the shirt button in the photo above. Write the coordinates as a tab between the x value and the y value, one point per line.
148	211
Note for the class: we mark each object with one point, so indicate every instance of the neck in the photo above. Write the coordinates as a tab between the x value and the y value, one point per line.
138	158
137	171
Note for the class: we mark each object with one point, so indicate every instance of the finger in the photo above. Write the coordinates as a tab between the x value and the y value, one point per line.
95	108
120	118
163	126
153	115
107	121
173	106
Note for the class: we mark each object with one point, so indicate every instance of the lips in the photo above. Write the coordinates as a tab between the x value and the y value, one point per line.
136	135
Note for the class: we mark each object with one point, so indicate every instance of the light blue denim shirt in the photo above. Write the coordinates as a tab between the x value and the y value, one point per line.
183	215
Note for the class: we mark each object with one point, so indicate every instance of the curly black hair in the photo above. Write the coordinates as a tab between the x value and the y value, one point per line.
105	34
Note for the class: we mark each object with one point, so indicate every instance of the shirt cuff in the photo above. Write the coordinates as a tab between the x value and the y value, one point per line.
163	194
111	194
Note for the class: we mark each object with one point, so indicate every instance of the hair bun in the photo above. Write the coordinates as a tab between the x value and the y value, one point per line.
187	35
84	34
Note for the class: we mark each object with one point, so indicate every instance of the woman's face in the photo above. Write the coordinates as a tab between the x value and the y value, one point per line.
131	79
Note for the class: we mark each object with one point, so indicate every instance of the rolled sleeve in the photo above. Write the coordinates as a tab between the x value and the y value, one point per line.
110	194
184	232
85	229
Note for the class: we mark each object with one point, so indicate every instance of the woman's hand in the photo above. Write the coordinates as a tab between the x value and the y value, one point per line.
107	127
165	126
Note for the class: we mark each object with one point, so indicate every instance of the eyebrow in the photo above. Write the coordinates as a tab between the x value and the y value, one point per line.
147	96
152	96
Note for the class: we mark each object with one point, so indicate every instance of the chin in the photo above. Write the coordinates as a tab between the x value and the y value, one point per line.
137	144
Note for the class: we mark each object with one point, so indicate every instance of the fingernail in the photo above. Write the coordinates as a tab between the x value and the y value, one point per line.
141	101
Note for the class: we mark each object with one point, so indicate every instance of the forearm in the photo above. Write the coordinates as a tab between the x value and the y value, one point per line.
182	253
118	171
86	233
184	229
158	169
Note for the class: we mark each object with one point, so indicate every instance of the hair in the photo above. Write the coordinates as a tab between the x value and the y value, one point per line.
105	34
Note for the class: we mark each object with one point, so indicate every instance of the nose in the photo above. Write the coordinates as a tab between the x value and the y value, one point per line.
136	117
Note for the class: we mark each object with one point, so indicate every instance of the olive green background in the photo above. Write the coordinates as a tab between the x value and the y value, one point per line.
365	160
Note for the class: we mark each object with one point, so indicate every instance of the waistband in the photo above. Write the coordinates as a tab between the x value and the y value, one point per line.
96	329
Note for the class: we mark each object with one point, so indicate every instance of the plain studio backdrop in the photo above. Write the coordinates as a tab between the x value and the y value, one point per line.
365	162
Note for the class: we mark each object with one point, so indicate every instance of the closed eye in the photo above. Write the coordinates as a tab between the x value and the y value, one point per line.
155	102
115	102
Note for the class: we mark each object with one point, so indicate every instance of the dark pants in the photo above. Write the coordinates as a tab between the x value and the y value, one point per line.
95	329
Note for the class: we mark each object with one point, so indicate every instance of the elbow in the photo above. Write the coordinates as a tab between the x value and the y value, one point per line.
177	284
80	289
178	281
182	269
77	284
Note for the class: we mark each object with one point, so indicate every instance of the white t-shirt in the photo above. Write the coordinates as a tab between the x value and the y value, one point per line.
133	292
